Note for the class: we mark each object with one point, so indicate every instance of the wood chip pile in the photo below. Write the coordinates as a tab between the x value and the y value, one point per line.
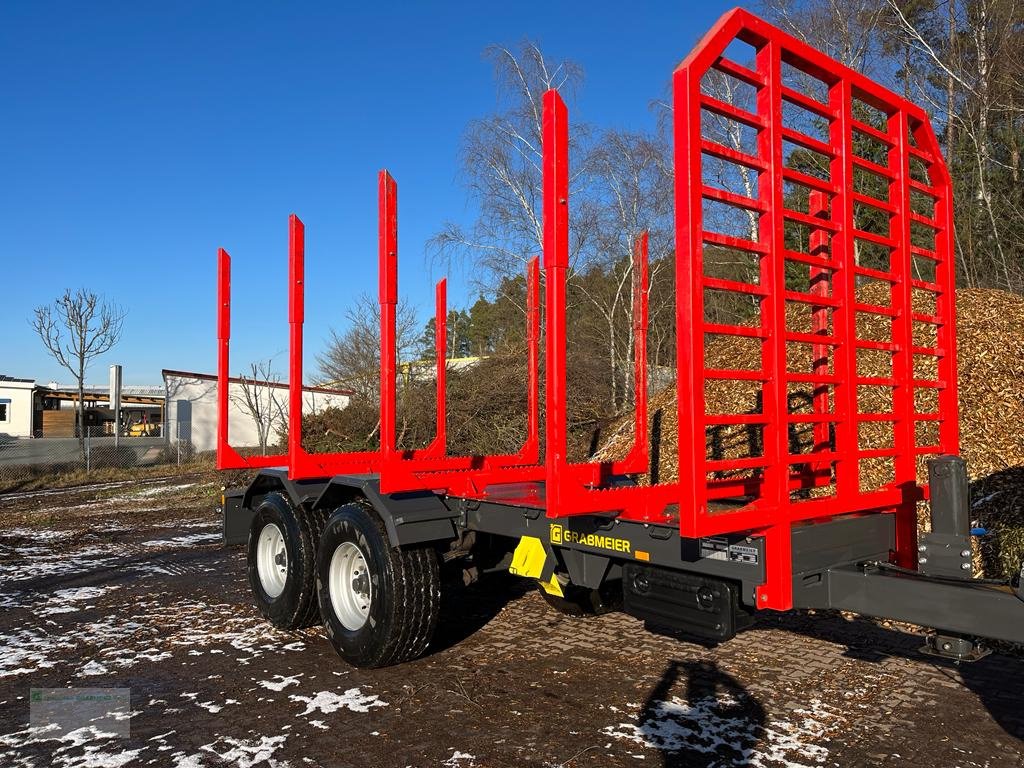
990	337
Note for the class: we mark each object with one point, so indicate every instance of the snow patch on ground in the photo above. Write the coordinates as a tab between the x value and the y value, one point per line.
38	534
209	706
280	682
93	668
161	489
70	600
724	729
459	760
188	540
247	753
157	630
41	564
87	754
328	701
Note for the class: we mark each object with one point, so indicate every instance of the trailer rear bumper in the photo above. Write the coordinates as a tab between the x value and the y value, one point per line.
961	606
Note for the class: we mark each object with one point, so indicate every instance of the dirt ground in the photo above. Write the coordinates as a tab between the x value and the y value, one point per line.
127	585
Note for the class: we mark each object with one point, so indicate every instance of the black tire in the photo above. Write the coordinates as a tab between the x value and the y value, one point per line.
580	601
296	606
405	592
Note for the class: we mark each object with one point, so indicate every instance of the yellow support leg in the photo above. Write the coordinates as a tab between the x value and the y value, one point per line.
529	560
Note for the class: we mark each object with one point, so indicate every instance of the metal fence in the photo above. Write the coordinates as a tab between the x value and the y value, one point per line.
139	446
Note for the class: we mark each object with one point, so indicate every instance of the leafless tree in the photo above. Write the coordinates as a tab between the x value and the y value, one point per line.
971	77
263	399
631	192
77	328
620	184
351	358
847	30
501	157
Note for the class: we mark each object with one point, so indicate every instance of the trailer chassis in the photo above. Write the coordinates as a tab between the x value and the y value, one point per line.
702	588
787	526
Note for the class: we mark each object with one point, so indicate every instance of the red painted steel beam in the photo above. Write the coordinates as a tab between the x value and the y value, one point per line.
387	242
437	447
555	167
296	318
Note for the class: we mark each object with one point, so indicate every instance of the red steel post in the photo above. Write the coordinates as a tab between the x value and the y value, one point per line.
689	264
296	317
388	259
223	344
556	264
901	299
777	591
530	452
438	445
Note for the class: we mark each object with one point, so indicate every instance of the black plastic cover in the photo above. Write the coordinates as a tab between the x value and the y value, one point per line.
702	607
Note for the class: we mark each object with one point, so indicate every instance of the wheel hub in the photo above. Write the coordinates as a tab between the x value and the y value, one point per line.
272	560
349	585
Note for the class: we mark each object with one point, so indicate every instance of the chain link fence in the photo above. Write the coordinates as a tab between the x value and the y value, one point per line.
140	445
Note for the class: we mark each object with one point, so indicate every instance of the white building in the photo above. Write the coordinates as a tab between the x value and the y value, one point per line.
17	407
191	408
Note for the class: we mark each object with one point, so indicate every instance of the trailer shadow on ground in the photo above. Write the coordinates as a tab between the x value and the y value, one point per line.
716	722
465	610
995	679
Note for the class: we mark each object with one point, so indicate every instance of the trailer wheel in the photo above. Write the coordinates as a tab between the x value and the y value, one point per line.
379	604
282	563
580	601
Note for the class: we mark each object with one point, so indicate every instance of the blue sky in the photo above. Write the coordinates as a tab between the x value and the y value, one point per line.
136	138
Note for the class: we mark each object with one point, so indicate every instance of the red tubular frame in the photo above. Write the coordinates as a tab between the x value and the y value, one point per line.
228	457
768	506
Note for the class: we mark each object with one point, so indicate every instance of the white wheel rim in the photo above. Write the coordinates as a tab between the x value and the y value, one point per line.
272	560
348	583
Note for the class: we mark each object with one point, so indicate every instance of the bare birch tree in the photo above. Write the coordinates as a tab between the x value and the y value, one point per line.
262	397
501	159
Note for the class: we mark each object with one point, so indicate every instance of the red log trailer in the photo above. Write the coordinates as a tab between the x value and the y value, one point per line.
356	540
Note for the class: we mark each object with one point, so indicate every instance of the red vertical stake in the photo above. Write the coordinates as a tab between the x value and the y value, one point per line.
441	377
689	226
531	447
296	316
387	225
903	337
777	591
223	344
555	168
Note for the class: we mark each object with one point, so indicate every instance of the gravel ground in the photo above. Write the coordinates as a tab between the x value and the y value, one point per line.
128	586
